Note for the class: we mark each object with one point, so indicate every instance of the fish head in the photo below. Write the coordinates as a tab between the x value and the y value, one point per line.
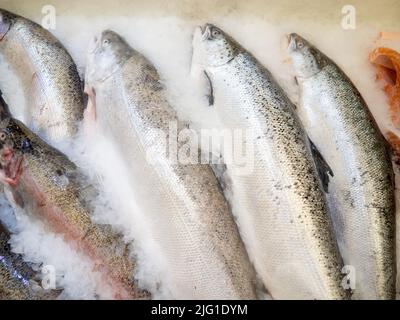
107	53
7	19
212	47
13	141
307	60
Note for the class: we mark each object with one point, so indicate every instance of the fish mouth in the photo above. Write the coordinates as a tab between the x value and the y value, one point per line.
94	44
291	41
207	31
5	26
203	32
296	42
7	154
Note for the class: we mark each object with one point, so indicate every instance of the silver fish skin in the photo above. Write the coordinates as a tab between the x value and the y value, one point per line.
279	205
47	75
361	191
188	215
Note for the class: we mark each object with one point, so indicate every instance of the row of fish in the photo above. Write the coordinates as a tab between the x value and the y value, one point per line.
320	195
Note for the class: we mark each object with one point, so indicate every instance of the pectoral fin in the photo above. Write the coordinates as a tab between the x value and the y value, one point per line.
203	81
90	111
324	170
90	115
18	198
14	197
219	168
210	90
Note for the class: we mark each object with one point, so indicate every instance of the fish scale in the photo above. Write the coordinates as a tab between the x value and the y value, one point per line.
361	191
16	276
279	205
183	205
51	188
47	74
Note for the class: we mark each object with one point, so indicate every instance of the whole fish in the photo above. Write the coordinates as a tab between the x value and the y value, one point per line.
47	75
48	185
17	277
361	189
188	215
279	204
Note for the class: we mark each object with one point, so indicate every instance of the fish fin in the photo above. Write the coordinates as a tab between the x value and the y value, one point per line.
4	109
210	89
324	170
87	195
18	198
90	111
14	197
85	95
219	169
89	115
203	81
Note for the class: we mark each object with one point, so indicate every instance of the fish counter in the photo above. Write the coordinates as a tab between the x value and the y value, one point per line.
199	150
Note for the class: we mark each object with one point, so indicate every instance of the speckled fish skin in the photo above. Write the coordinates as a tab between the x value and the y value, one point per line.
47	74
16	276
279	206
361	192
49	186
189	215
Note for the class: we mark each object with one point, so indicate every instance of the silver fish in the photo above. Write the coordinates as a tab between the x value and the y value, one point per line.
47	75
361	190
280	206
188	215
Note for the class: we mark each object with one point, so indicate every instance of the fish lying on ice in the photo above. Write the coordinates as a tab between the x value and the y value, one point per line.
279	205
47	75
361	190
46	184
188	214
16	276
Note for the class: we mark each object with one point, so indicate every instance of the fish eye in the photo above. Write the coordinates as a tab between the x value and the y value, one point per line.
3	136
26	144
215	32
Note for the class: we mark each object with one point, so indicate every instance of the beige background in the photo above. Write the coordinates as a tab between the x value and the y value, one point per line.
384	13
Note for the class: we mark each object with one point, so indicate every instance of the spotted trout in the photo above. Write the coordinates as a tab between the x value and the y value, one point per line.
47	185
361	186
187	213
47	74
279	204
